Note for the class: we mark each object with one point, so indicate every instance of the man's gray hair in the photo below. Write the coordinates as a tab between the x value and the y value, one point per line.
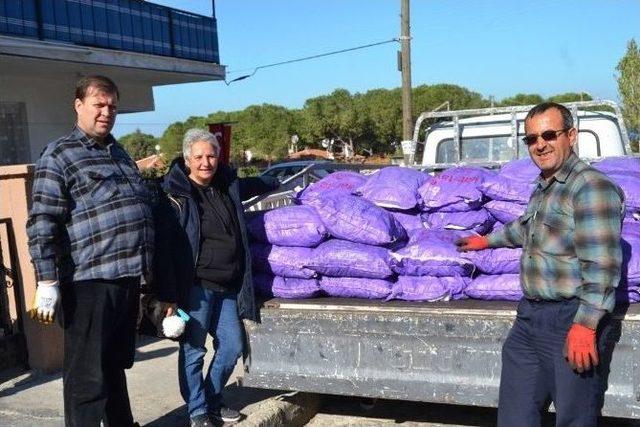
194	135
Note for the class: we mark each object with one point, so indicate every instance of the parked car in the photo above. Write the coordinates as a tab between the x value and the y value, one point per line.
285	170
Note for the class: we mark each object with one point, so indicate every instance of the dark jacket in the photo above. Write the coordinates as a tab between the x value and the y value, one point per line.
178	234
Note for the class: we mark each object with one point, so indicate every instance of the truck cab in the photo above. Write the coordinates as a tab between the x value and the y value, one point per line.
494	135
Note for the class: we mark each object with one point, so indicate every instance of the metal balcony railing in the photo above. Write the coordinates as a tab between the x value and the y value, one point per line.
128	25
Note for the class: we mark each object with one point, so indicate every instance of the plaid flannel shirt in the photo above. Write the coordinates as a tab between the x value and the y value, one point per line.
91	216
570	235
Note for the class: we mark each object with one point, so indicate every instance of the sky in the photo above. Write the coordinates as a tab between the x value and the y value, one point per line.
495	47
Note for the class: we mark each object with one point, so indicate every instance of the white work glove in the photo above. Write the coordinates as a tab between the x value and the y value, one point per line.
45	302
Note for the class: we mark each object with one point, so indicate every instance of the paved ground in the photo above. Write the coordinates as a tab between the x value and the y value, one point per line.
28	399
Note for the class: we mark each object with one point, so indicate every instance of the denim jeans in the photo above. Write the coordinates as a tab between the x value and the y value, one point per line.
215	314
535	371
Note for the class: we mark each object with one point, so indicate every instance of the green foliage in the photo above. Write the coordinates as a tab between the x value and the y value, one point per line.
139	145
629	88
152	173
570	97
171	140
247	171
372	120
522	99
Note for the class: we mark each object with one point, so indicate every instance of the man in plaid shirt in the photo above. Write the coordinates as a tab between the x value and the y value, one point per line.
570	266
90	233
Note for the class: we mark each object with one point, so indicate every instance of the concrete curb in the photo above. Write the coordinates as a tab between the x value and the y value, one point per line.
291	410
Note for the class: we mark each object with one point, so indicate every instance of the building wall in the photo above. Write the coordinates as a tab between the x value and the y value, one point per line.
49	105
44	343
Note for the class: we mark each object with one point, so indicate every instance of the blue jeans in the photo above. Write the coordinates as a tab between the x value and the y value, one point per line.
535	371
216	314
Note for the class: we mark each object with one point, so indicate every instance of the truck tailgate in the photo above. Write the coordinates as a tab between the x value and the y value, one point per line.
445	352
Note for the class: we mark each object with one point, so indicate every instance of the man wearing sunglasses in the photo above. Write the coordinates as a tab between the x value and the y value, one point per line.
570	265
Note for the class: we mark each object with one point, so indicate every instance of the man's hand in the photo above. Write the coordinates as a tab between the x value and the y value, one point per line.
169	308
580	348
45	302
472	243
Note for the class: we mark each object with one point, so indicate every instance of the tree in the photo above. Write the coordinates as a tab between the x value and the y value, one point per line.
629	89
171	140
522	99
570	97
139	145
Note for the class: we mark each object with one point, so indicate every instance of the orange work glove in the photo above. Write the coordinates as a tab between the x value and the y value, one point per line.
472	243
580	348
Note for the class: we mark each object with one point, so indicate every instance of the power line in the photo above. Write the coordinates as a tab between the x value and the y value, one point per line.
306	58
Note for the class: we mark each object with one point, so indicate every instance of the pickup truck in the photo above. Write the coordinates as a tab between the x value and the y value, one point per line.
440	352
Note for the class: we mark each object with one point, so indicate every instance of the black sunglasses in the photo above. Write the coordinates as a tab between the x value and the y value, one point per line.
547	135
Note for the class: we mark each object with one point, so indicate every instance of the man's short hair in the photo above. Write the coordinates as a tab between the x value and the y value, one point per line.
102	83
194	135
567	118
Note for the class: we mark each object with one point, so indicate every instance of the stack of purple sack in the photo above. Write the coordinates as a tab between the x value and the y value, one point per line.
282	246
426	268
509	190
391	235
498	277
452	200
355	262
396	189
430	268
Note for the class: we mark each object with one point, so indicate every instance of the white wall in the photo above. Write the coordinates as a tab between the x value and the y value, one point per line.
49	104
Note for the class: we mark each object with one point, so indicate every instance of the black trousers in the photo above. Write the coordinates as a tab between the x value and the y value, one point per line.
99	344
535	371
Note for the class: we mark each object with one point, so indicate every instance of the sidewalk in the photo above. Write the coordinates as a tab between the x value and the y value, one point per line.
29	399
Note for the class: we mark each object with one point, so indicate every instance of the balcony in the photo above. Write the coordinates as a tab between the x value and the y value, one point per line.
123	25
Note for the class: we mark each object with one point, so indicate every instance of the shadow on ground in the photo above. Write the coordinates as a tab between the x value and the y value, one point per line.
25	380
235	397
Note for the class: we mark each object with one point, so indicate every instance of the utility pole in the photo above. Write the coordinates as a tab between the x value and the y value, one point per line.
405	68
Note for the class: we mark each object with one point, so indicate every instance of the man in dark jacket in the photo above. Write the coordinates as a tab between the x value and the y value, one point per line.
203	264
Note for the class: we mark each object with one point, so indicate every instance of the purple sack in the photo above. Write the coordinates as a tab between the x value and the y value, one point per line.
281	260
497	287
288	226
356	287
628	293
496	261
507	189
263	283
454	190
288	287
514	182
630	185
410	220
631	252
521	170
341	258
355	219
631	230
505	212
479	221
431	253
343	182
622	164
428	288
394	188
632	217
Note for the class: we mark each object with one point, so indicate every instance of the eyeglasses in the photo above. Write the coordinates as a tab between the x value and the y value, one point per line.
547	135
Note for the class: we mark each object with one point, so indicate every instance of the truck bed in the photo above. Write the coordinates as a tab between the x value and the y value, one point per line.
442	352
